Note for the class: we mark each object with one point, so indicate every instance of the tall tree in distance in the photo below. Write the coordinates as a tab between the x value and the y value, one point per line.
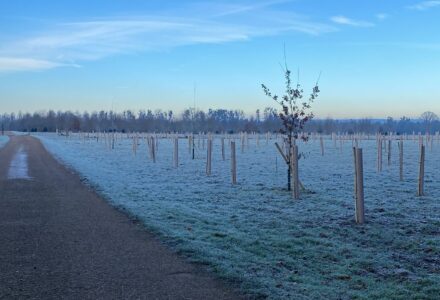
428	117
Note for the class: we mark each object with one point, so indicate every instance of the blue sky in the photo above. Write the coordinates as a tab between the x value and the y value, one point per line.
378	58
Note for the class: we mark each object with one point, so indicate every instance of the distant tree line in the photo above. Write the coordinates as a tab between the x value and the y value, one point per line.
213	120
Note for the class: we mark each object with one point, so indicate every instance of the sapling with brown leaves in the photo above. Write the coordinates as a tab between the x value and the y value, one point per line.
295	113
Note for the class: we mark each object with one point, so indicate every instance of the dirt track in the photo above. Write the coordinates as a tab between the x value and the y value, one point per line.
58	239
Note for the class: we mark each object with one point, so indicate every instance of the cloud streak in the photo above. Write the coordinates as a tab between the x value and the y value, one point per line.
425	5
233	9
12	64
382	16
342	20
73	42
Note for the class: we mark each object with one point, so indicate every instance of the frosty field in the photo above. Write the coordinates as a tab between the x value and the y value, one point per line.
256	234
3	140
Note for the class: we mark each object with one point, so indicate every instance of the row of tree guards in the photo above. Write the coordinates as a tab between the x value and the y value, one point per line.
152	144
290	156
359	178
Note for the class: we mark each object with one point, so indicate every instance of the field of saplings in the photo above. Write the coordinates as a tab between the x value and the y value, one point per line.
235	214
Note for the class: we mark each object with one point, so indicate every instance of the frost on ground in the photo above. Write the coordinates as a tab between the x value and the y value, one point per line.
257	234
3	140
18	168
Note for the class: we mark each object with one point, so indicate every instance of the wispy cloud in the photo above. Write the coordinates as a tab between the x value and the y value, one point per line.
382	16
238	8
425	5
12	64
74	42
342	20
396	44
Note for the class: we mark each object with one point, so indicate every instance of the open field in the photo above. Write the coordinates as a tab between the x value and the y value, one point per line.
254	232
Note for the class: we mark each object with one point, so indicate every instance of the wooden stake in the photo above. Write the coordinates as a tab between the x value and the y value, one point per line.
153	150
233	164
389	152
401	160
134	144
359	187
223	148
294	168
282	153
355	173
190	143
321	140
420	190
176	152
379	154
209	157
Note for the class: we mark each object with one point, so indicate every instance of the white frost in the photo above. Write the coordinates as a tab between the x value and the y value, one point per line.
18	168
256	233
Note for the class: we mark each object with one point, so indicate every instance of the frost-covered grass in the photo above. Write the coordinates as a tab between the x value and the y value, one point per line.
256	233
20	133
3	140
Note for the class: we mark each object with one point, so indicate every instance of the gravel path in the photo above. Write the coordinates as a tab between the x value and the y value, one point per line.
59	239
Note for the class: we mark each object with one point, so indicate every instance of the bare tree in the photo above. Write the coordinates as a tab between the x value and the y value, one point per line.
295	113
428	117
214	120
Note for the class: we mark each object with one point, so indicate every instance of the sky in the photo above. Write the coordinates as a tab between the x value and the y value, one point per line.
376	58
